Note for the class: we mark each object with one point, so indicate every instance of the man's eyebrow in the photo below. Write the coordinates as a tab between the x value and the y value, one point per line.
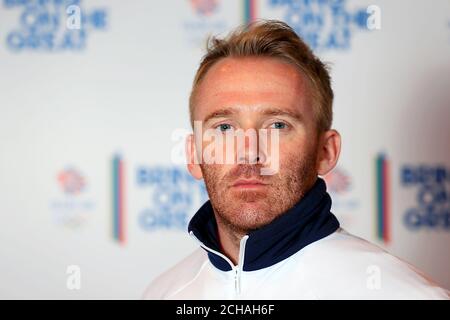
280	112
219	113
266	111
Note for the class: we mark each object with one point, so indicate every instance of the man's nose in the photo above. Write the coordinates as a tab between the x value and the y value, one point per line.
252	153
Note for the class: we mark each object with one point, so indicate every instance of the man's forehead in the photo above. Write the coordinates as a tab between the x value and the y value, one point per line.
251	85
261	74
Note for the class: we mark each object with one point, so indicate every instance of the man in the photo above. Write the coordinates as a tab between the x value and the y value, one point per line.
270	234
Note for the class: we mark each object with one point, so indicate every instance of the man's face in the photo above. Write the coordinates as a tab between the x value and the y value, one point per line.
258	93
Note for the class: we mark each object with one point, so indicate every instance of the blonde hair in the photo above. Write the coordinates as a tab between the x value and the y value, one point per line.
272	38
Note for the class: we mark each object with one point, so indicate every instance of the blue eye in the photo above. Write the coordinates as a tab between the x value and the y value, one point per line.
224	127
278	125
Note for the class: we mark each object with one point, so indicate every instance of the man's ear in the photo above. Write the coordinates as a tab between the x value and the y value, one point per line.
192	158
329	150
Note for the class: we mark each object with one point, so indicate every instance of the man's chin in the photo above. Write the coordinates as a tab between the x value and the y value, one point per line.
249	215
250	204
250	197
246	224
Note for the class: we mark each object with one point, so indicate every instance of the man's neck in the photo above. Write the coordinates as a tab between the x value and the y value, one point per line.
229	241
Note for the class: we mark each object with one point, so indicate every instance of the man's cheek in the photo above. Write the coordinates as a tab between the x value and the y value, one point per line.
289	154
215	173
217	150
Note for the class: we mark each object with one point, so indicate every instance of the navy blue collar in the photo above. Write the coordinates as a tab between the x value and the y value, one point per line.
308	221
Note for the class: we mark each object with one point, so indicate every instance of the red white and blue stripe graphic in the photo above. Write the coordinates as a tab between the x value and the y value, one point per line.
383	198
118	199
249	11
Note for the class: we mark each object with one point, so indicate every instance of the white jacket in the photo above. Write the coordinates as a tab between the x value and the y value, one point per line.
339	266
302	254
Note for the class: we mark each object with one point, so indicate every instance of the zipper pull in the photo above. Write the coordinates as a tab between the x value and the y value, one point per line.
237	285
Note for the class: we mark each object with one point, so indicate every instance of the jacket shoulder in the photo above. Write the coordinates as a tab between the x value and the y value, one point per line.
351	267
177	277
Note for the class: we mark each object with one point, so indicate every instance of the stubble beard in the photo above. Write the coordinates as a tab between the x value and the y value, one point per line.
242	211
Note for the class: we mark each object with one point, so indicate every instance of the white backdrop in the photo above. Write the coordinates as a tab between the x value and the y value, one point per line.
72	99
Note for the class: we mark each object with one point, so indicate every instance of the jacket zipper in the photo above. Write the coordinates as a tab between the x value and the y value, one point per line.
236	269
240	266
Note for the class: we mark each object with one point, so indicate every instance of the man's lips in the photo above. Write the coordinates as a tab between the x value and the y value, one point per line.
248	184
